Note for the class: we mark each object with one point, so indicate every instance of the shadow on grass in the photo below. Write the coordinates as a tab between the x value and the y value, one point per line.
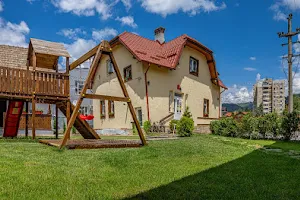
258	175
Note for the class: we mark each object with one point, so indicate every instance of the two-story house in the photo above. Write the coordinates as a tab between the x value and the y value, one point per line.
162	79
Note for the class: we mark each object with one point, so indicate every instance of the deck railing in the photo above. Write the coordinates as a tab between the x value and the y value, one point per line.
20	81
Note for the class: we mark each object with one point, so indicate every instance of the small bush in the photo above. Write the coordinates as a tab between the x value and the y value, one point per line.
147	127
173	123
185	127
187	113
215	127
289	125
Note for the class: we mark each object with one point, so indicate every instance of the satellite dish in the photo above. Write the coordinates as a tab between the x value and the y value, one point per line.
74	102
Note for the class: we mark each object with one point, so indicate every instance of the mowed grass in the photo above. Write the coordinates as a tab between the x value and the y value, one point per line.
200	167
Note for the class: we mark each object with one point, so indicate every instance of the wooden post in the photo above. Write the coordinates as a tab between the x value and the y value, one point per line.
92	71
33	94
33	116
26	119
123	87
68	91
56	121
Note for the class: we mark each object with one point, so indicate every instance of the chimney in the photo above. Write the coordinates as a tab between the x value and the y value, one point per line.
160	34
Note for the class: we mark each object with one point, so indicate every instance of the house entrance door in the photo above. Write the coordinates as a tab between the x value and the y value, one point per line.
177	106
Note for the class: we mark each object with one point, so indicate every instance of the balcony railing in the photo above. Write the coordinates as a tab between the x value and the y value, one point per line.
20	81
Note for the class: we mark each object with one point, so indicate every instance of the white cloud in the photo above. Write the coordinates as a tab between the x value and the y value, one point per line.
258	77
85	7
297	45
281	7
13	34
71	33
104	34
252	58
80	47
167	7
237	94
249	69
127	4
127	20
1	6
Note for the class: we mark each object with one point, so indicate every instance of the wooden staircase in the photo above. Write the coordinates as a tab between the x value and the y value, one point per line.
81	125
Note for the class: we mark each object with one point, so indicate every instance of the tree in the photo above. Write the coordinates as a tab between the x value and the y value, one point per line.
296	105
259	111
290	124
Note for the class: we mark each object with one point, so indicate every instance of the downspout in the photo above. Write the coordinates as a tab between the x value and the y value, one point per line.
147	95
220	102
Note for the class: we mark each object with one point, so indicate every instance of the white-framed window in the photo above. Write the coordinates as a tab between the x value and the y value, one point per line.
194	66
109	67
206	108
102	109
78	86
127	73
111	109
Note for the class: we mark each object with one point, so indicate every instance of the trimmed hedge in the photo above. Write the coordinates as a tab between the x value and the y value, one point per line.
269	126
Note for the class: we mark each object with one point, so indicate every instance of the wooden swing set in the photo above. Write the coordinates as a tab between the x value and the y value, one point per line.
94	141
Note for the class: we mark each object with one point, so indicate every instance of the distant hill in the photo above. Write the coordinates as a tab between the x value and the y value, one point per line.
231	107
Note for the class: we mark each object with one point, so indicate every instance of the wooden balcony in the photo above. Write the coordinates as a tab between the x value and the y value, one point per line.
20	82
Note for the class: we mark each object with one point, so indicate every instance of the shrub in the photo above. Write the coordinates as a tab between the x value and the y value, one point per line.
225	127
273	124
147	127
215	127
289	124
134	129
185	127
187	113
229	127
262	126
173	123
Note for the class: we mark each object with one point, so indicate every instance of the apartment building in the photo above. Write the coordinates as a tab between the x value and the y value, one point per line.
270	94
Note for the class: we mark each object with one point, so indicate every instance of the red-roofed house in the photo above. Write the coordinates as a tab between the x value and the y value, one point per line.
162	79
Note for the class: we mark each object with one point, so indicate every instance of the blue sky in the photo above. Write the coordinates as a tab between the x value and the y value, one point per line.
242	34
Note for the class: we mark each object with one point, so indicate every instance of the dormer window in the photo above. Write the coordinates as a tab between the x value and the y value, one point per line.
194	66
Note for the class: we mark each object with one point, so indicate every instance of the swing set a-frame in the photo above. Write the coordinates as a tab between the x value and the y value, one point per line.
94	141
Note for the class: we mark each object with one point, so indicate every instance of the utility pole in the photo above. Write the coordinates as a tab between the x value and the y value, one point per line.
290	43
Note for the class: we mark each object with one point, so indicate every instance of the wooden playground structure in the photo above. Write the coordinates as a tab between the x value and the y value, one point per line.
41	82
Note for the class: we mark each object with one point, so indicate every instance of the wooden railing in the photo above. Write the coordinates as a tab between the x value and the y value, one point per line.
19	81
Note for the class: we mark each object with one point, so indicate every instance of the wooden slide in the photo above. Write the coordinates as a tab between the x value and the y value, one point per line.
81	125
12	118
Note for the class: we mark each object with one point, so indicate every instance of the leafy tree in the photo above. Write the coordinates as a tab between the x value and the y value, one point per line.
296	102
290	124
259	111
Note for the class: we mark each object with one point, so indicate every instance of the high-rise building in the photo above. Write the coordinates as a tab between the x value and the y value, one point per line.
270	94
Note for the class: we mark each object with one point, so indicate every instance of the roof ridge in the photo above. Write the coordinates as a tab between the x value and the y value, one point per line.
7	45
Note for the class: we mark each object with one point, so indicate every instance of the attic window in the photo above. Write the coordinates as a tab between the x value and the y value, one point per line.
194	68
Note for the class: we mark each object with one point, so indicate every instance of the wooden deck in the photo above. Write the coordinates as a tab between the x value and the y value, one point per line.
94	144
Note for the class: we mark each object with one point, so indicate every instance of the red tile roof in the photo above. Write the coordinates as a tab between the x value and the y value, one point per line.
166	54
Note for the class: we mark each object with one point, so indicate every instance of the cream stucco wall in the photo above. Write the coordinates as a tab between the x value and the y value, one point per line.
108	84
161	82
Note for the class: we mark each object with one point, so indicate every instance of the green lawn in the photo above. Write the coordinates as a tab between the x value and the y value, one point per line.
200	167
